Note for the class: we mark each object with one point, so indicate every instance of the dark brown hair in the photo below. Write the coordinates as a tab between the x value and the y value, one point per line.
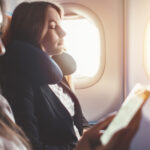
8	129
2	7
28	21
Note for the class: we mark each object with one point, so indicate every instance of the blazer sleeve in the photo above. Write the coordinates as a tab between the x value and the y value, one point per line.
24	112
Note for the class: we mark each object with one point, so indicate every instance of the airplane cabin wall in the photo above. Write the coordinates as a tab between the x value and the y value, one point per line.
137	14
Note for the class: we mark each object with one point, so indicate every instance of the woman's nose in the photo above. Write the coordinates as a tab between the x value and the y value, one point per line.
62	33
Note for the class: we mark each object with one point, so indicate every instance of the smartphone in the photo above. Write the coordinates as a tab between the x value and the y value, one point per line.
128	109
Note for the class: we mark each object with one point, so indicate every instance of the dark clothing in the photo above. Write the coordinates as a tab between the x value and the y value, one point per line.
27	71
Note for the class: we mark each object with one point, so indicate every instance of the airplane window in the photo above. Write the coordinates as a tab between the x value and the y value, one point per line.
82	41
85	41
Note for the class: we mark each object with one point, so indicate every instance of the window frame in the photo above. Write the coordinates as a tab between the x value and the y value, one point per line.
72	9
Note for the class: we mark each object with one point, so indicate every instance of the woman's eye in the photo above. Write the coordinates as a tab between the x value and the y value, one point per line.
52	25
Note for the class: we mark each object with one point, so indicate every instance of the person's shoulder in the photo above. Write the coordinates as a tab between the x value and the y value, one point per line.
6	108
3	100
13	144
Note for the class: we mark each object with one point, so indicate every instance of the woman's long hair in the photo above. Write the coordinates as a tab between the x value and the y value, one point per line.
9	130
28	21
2	8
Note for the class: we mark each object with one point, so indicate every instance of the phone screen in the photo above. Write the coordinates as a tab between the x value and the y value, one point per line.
127	111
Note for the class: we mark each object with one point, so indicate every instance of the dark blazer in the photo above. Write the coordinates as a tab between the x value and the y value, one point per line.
39	112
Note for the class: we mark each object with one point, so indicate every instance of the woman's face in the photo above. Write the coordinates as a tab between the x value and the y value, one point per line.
52	37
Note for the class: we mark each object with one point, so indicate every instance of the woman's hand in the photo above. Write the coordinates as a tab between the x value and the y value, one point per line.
90	139
120	141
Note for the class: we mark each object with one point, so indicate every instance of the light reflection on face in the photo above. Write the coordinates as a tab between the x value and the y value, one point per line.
53	34
2	48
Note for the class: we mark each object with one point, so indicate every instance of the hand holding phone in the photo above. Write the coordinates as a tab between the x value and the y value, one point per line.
128	110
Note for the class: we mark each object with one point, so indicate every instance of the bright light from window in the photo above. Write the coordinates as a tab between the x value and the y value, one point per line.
147	50
83	43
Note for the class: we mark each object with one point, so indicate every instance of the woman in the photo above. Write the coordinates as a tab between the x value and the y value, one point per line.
42	104
28	75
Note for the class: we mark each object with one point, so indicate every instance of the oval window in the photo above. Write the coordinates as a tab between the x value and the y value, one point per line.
147	50
84	40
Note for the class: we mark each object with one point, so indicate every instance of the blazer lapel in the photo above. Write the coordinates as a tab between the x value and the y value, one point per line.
78	112
57	105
